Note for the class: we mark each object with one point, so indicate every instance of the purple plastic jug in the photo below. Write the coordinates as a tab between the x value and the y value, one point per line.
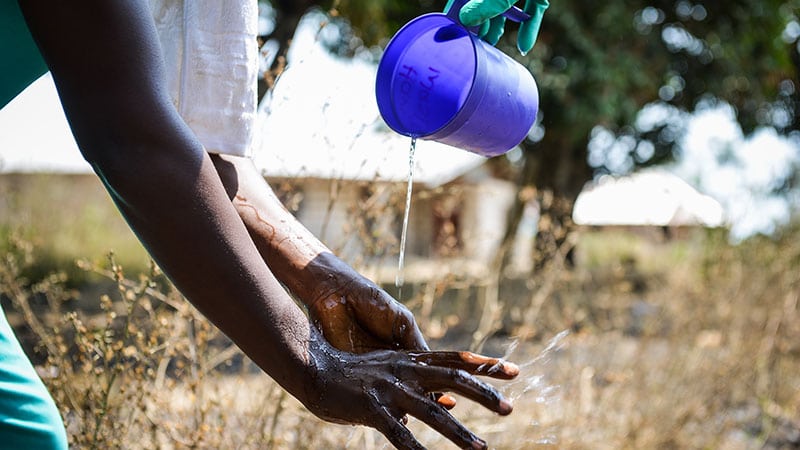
438	81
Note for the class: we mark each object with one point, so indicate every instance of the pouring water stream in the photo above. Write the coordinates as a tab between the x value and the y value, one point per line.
399	279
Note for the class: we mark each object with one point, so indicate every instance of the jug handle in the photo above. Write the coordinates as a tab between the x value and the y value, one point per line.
514	13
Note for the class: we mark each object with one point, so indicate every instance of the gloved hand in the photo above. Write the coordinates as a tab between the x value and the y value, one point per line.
488	14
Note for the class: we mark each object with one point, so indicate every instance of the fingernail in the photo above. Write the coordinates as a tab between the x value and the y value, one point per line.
511	369
446	401
479	444
505	407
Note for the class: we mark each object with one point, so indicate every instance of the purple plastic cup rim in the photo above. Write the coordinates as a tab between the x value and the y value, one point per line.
386	69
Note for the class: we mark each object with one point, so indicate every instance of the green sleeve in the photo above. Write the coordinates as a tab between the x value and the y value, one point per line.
20	61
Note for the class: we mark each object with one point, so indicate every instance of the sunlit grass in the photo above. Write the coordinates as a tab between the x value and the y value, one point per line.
689	342
65	218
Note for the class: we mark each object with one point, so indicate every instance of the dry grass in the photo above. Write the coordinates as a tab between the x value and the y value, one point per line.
65	217
692	343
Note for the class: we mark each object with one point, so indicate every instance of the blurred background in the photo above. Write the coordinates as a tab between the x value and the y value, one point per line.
638	254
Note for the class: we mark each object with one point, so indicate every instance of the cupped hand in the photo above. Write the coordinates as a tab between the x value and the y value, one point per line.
357	316
360	317
379	389
488	14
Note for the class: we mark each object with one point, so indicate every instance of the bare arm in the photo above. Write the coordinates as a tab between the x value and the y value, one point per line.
105	60
107	66
352	312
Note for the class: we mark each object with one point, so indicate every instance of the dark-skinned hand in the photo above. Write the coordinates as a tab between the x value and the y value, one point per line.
392	384
359	317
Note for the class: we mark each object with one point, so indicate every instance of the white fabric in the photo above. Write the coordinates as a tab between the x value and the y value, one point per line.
211	55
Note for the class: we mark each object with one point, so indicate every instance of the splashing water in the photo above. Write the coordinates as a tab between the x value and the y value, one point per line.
535	387
399	279
535	382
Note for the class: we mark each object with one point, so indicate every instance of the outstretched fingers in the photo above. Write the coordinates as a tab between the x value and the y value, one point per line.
469	362
459	381
393	428
435	416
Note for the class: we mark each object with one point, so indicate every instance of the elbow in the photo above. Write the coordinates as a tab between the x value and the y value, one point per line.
139	149
115	162
133	144
121	133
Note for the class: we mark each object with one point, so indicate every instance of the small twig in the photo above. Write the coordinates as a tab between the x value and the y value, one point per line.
129	284
275	417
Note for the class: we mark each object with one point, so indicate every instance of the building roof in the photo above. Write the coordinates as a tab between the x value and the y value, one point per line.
373	155
329	127
311	128
651	197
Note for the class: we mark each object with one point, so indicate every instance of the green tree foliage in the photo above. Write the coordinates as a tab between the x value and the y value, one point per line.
598	64
376	20
601	63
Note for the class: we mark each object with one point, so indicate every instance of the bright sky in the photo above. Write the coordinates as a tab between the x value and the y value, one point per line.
740	172
34	133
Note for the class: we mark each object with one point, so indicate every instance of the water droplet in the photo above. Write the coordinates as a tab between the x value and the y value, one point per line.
533	386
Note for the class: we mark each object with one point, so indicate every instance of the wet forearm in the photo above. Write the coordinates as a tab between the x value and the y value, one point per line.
189	227
296	257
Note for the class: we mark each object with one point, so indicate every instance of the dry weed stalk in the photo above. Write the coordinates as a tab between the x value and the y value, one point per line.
144	372
682	345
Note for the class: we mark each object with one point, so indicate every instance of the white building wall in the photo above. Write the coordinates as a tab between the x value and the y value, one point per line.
333	227
486	207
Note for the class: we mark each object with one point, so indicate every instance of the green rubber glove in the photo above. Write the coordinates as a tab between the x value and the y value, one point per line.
488	15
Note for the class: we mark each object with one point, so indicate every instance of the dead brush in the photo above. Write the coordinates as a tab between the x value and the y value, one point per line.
712	363
143	372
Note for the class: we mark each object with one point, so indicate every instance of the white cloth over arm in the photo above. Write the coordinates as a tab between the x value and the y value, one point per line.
211	55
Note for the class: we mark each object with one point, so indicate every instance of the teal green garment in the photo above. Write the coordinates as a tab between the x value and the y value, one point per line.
487	14
29	418
20	61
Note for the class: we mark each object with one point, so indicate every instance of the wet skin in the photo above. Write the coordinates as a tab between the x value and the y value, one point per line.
107	66
390	384
352	312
